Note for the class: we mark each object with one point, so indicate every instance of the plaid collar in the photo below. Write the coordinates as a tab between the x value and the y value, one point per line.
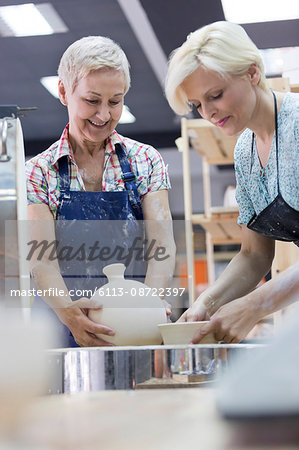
63	147
112	140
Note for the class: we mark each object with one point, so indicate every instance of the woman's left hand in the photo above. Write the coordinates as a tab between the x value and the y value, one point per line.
231	322
168	308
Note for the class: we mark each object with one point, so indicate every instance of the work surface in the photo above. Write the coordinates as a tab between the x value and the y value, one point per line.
147	419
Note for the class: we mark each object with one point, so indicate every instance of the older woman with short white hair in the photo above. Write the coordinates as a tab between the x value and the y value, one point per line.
95	175
219	70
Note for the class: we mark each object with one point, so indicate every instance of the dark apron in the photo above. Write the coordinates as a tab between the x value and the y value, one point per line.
88	222
278	220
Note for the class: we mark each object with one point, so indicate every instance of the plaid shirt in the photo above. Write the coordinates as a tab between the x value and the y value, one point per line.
42	170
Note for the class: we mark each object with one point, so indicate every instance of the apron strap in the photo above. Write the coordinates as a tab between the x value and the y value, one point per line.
64	179
129	180
276	139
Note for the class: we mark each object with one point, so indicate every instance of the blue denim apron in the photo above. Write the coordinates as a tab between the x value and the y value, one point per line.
278	220
111	218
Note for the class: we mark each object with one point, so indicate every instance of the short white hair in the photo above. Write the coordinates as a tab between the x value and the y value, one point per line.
223	47
92	53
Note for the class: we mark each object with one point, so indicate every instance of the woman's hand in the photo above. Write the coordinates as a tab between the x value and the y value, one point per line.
82	328
168	308
196	313
231	322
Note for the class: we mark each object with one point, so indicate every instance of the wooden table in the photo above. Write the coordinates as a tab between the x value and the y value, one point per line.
145	420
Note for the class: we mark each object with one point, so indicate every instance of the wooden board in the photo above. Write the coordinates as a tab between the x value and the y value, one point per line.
224	210
286	254
177	381
223	228
279	84
211	143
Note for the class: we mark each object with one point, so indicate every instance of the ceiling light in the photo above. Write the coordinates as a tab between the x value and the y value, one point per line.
30	20
51	84
127	116
242	11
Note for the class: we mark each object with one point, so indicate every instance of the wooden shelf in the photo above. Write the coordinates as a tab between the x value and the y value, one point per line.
223	227
226	217
210	142
279	84
224	210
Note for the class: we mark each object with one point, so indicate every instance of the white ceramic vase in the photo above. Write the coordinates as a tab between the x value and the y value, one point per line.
130	308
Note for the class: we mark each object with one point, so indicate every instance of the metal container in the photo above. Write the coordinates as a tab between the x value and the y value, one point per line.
148	367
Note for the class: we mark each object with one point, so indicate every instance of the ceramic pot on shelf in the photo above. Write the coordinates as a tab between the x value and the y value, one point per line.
130	308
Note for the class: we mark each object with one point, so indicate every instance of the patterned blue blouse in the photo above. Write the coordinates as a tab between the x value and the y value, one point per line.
257	187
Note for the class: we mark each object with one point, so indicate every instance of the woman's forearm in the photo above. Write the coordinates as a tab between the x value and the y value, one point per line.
159	272
240	277
160	239
48	280
277	293
44	268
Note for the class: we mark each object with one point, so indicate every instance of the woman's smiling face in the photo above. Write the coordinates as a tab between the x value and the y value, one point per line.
95	105
228	103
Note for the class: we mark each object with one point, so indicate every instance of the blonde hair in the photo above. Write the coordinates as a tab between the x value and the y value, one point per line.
223	47
92	53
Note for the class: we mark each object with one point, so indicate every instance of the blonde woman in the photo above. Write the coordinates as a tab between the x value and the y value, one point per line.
219	70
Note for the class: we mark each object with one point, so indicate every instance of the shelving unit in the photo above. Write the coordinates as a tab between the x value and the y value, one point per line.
220	223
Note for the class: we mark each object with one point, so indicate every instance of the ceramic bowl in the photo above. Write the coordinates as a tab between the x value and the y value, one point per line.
183	332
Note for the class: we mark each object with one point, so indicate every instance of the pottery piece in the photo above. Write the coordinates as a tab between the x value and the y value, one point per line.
130	308
183	332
